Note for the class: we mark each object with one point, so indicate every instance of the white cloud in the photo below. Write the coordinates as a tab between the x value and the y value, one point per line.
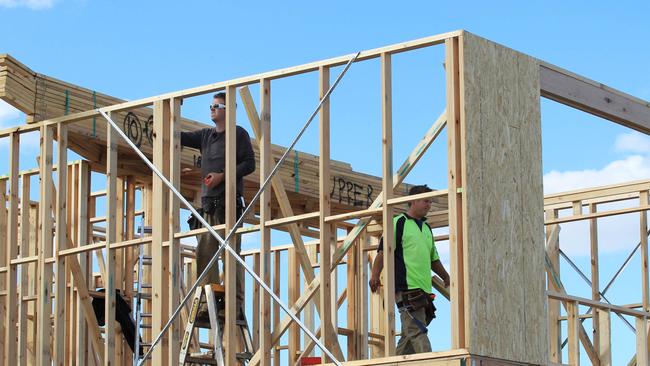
634	142
32	4
634	167
615	233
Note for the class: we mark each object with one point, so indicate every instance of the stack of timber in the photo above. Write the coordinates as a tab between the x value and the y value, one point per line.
42	97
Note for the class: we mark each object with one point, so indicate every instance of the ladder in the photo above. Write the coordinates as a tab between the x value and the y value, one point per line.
142	261
214	295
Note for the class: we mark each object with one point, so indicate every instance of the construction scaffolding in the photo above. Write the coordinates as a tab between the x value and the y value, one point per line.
503	309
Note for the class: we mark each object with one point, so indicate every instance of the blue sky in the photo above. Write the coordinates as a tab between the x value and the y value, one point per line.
137	49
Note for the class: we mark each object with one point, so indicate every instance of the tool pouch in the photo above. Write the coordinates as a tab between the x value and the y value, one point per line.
193	222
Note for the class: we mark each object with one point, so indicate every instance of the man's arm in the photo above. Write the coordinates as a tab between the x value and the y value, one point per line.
245	154
440	270
192	139
377	267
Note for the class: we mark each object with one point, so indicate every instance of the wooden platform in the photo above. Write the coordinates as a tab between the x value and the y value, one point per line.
460	357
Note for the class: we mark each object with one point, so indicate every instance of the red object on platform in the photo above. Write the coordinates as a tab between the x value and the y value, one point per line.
310	361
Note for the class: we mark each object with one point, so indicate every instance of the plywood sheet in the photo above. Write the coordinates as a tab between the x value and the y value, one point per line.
504	202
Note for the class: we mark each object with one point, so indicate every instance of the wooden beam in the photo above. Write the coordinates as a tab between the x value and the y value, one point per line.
642	341
387	214
572	325
552	248
111	236
455	176
160	227
27	271
263	134
324	205
44	328
230	336
643	233
592	97
11	284
595	278
174	226
604	337
83	206
61	240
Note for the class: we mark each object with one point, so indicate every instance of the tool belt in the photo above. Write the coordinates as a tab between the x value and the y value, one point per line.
413	300
212	205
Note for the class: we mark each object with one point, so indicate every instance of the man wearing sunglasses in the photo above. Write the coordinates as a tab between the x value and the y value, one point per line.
211	142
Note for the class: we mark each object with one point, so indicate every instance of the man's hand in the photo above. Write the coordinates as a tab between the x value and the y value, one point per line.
446	281
374	283
213	179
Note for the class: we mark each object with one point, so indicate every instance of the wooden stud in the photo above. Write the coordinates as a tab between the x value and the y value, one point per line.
160	228
595	278
456	238
10	351
362	298
324	206
25	271
264	138
351	294
256	302
82	233
111	236
642	341
553	250
643	233
572	325
44	329
276	307
61	240
174	249
604	337
293	294
387	214
230	214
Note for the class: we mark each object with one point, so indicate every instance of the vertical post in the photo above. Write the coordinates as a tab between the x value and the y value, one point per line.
293	292
456	214
111	236
256	300
351	291
595	278
82	235
61	240
362	298
174	226
26	269
387	214
642	341
604	335
12	252
554	334
643	232
44	328
160	230
573	322
231	192
265	215
276	307
324	205
4	262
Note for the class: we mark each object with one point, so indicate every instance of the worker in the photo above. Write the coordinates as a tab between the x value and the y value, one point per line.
415	256
211	142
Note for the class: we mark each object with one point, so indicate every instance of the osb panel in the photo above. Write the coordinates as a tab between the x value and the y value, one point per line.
503	203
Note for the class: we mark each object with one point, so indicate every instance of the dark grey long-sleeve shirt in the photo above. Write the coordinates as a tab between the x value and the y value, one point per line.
212	145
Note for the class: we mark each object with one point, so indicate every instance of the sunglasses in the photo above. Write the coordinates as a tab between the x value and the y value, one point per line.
217	106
